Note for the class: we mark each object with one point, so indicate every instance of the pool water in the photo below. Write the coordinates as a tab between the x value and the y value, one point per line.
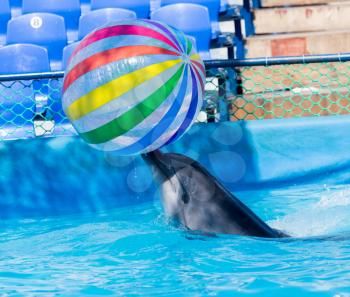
134	251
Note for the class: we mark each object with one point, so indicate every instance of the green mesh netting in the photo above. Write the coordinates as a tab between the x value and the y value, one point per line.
285	91
32	108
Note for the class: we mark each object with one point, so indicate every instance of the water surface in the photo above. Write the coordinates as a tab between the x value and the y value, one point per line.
134	251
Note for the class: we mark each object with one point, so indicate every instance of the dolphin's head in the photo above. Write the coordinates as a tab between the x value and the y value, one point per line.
160	164
167	164
167	169
182	180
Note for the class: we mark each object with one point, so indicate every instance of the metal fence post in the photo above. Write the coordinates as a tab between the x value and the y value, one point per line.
248	18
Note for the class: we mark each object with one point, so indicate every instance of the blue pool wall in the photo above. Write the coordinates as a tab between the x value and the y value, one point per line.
63	175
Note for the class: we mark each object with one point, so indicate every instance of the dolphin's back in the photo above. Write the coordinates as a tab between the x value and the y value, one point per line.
224	212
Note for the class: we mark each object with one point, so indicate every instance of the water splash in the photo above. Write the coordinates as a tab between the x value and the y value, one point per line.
323	213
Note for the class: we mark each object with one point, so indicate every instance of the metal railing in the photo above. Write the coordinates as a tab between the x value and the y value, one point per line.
236	89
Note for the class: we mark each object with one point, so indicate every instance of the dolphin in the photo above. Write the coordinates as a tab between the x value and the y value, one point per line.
196	199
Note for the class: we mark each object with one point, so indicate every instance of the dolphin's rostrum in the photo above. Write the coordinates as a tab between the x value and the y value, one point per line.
194	197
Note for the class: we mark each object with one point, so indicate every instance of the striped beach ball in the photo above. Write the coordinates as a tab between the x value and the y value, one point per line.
133	86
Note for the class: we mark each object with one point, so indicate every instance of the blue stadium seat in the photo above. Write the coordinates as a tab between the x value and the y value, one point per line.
192	19
17	99
68	9
67	52
44	29
23	58
99	17
141	7
5	15
213	8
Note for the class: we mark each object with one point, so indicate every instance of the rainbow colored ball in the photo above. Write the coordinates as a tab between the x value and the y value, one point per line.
133	86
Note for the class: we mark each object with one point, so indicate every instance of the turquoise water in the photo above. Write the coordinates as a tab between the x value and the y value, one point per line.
133	251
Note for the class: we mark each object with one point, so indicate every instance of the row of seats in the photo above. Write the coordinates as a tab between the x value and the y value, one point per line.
71	10
48	30
153	4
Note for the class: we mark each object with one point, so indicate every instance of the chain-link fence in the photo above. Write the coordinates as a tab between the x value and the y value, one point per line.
285	91
286	87
30	105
